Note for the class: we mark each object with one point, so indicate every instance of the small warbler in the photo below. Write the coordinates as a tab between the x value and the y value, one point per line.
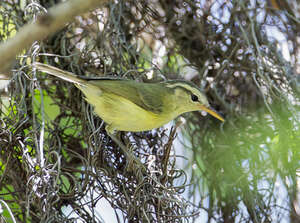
127	105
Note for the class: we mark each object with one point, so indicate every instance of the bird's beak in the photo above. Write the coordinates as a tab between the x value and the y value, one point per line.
212	112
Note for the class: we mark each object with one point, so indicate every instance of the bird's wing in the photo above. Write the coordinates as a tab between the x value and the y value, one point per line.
147	96
144	95
152	96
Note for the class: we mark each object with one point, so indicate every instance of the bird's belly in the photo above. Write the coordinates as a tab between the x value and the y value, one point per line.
123	115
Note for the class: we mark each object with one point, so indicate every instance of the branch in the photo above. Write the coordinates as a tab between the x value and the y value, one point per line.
46	24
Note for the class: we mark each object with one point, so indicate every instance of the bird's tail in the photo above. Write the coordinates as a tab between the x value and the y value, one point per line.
65	75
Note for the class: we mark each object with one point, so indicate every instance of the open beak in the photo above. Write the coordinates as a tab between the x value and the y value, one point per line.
212	112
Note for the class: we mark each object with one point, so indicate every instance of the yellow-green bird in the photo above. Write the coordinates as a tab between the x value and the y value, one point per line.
127	105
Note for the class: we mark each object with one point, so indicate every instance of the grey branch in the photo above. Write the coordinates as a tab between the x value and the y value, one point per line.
46	24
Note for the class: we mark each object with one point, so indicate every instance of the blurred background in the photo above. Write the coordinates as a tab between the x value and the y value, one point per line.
57	163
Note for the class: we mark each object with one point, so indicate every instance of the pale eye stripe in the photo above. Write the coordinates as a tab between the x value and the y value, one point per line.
184	86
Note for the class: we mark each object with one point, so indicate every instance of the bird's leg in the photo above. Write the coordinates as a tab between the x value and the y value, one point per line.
131	159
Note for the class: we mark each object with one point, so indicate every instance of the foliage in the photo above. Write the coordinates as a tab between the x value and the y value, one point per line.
57	163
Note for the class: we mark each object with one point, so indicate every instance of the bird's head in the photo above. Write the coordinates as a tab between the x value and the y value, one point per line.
188	97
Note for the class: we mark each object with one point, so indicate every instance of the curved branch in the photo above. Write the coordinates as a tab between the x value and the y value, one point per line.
46	24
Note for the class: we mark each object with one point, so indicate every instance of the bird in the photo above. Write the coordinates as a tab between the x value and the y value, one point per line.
131	106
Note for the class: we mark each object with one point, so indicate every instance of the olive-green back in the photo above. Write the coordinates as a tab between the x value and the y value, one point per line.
148	96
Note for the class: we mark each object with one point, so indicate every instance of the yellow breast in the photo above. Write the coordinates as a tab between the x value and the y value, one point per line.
123	115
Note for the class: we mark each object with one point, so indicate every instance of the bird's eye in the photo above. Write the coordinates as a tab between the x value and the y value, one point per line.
194	97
